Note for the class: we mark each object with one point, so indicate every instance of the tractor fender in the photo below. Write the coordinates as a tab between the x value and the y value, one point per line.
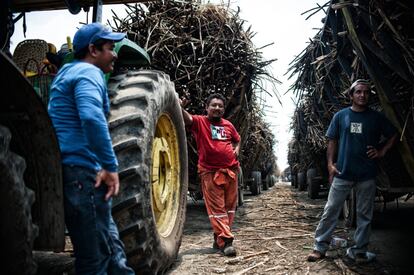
129	55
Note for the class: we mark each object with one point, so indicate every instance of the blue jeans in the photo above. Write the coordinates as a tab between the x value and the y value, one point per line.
94	235
339	191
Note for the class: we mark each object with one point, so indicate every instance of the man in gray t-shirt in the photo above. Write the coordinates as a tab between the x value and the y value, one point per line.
354	136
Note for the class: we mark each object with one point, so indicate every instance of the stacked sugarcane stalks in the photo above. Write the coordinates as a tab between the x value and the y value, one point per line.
204	49
360	39
257	153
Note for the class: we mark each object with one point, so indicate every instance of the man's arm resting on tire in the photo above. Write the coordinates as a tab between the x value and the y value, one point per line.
188	118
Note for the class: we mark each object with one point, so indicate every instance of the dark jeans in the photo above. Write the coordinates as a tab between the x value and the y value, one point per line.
94	235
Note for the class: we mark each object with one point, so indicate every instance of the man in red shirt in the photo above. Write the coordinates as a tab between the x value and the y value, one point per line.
218	146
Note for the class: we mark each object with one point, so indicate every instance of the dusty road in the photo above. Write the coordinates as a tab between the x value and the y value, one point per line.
274	234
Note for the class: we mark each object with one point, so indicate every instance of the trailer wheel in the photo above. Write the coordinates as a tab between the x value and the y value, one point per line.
240	185
265	183
270	179
148	135
17	232
273	180
313	184
256	184
302	181
349	210
294	177
196	195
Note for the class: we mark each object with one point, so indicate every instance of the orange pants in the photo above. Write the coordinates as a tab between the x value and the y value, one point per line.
220	197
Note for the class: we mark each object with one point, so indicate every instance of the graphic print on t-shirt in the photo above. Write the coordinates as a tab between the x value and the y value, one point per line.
218	132
356	128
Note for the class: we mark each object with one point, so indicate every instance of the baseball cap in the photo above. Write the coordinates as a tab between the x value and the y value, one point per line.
89	33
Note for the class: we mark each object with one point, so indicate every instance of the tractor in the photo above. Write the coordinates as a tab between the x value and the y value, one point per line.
148	137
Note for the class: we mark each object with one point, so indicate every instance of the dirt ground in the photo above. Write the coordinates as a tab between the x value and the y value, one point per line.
274	234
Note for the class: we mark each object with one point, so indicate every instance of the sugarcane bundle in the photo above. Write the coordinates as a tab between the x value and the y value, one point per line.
366	39
258	153
205	49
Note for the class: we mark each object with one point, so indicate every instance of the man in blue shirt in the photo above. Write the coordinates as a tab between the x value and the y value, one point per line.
354	137
78	107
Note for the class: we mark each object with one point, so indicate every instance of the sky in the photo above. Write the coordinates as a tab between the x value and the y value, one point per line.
278	22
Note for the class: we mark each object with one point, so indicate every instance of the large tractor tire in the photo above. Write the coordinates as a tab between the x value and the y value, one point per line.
240	188
313	183
17	232
301	181
149	139
349	210
256	183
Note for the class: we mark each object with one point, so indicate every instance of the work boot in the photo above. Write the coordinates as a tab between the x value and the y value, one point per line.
229	250
315	256
215	245
361	258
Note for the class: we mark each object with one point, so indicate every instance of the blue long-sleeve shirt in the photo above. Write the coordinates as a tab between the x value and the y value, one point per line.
78	108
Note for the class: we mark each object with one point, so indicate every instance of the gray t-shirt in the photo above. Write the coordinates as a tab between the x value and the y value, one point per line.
355	131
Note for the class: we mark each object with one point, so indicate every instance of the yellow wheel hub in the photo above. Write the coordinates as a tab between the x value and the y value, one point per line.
165	175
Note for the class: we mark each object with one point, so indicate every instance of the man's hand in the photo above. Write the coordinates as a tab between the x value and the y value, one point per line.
184	102
111	179
236	152
373	153
236	149
333	171
188	119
